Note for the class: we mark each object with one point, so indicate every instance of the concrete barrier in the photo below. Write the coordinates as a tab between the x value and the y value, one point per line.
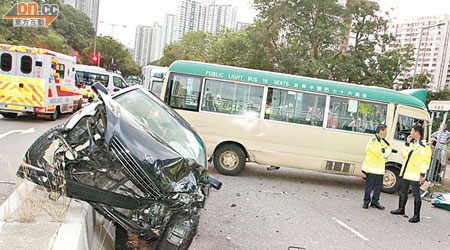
84	229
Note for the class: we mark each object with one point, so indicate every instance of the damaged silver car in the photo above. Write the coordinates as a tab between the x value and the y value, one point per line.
134	159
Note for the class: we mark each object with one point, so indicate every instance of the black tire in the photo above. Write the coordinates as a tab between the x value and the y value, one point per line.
34	153
179	232
9	115
53	116
391	180
121	238
229	159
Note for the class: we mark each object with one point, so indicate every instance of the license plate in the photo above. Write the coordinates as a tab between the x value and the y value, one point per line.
16	107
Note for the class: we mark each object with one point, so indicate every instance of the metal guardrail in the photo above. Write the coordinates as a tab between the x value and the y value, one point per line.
439	161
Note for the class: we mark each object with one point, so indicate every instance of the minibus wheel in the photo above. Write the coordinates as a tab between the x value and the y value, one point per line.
229	159
391	180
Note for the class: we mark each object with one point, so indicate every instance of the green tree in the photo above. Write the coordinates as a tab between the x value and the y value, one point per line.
250	48
72	28
52	41
443	95
311	32
193	46
375	58
265	52
16	35
422	81
229	47
74	25
111	52
308	38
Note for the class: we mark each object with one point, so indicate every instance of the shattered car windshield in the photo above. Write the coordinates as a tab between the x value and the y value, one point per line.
151	115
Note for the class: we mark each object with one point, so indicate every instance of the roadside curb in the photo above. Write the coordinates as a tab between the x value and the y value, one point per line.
82	228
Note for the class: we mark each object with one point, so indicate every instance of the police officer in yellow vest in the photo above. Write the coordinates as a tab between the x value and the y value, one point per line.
417	161
377	151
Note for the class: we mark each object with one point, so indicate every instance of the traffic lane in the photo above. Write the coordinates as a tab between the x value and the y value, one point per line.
276	209
14	146
23	122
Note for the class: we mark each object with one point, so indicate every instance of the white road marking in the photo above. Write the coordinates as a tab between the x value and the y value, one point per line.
351	229
28	131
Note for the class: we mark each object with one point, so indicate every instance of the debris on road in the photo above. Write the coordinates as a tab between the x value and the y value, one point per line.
442	201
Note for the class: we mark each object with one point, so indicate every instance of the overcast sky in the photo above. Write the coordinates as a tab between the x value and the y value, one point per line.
131	13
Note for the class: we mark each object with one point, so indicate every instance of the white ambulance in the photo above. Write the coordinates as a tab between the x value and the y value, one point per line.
39	81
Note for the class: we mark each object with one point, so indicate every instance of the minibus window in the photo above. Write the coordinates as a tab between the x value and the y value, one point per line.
6	62
404	126
185	92
355	115
232	98
295	107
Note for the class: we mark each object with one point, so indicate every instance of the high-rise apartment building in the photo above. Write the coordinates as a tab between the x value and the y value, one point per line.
155	50
168	31
434	54
202	15
219	16
142	44
190	16
89	7
147	45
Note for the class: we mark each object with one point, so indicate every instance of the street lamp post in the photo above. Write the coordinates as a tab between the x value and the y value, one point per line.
96	28
418	50
112	26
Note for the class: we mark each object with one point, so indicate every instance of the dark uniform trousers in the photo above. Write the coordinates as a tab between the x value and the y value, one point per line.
373	181
415	186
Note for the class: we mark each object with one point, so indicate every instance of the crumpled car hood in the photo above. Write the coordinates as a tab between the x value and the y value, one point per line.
136	146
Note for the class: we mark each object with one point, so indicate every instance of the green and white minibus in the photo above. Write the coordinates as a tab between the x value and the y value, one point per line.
290	121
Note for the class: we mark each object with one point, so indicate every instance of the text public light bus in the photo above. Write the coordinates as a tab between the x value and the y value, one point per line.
290	121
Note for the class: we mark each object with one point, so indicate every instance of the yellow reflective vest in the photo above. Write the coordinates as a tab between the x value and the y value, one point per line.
375	158
417	161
